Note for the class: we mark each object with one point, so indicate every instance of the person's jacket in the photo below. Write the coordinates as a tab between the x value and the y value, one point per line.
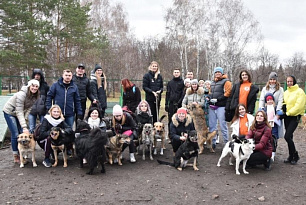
194	96
131	98
98	93
150	84
126	123
68	99
177	127
220	89
175	91
46	126
295	99
83	84
277	94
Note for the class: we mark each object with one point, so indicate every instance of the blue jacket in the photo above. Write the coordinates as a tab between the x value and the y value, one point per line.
68	99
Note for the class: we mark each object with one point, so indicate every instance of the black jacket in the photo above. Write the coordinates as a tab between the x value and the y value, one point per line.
98	93
132	98
177	127
39	107
126	123
150	84
83	85
45	129
175	91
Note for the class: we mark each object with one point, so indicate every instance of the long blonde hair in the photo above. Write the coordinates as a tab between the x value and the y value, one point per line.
253	126
59	108
158	71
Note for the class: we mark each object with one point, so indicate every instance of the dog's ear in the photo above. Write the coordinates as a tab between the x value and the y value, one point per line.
245	141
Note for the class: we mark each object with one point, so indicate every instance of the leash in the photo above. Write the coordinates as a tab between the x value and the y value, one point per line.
156	98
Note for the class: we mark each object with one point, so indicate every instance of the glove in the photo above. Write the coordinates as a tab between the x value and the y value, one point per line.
167	108
214	100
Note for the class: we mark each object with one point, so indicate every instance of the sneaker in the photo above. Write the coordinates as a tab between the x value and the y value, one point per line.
132	158
16	159
116	161
267	165
217	140
47	162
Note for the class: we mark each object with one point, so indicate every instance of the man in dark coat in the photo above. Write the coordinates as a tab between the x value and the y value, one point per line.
83	84
39	107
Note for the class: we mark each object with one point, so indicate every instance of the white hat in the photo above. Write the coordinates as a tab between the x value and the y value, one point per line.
33	82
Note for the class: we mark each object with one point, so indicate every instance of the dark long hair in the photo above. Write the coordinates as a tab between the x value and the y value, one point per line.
253	126
240	77
126	84
236	115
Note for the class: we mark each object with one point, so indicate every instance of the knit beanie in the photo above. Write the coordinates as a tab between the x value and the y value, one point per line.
269	96
273	75
218	69
117	110
208	81
181	110
97	67
33	82
187	80
194	81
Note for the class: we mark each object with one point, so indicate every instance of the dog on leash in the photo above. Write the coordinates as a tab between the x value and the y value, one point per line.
198	117
304	121
90	145
185	152
26	144
114	147
240	150
159	134
59	142
146	139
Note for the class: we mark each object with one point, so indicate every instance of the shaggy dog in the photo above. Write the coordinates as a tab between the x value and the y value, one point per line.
59	142
199	121
114	147
240	150
26	144
185	152
146	139
159	134
90	144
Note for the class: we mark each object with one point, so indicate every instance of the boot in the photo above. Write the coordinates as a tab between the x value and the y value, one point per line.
289	159
267	165
273	155
132	158
16	158
295	158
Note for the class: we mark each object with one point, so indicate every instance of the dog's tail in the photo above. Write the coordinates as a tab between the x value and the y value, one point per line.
165	163
161	118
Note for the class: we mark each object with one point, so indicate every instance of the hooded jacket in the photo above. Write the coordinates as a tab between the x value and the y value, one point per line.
131	98
191	96
177	127
295	99
83	84
68	99
99	93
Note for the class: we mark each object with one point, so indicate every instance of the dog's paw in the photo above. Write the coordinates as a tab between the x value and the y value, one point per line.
143	157
218	165
161	152
231	164
21	165
238	173
245	172
195	168
151	158
179	168
155	152
34	165
65	165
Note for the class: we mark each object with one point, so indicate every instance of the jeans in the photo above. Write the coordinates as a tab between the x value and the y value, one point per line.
15	128
291	123
69	120
214	115
32	121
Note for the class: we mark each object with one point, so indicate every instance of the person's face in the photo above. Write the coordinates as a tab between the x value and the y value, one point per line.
181	117
270	102
80	71
67	76
143	107
33	88
241	110
94	114
289	82
154	67
176	73
55	113
99	72
260	117
218	74
189	75
118	117
207	86
194	86
272	81
244	76
201	84
37	77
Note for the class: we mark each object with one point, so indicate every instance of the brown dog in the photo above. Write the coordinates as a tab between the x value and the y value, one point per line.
26	144
304	121
114	147
57	144
159	134
198	117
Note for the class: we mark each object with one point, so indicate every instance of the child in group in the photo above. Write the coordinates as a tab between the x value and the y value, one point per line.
94	118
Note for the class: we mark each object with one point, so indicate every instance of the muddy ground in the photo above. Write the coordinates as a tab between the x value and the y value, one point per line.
147	182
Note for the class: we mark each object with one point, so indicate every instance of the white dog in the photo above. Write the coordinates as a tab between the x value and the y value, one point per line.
241	151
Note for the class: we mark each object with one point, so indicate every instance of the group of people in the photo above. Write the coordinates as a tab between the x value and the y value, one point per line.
221	101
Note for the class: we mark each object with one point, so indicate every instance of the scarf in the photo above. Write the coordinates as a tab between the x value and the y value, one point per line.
270	114
52	121
93	123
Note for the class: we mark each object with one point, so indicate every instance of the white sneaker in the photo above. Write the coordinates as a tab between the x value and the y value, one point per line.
217	140
120	156
273	155
115	161
132	158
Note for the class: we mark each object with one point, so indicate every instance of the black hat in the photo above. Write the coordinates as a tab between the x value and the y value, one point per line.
81	65
97	67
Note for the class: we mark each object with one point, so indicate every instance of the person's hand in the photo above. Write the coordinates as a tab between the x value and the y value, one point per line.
25	130
118	126
158	92
155	94
94	101
167	108
194	103
182	138
214	100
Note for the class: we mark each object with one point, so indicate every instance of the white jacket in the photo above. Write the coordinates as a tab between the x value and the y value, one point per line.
235	124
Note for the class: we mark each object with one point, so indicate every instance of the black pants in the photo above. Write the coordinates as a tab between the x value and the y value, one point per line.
153	109
131	146
83	106
173	107
291	123
257	158
46	146
176	144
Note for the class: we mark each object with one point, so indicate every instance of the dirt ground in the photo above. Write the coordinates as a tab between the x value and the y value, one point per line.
147	182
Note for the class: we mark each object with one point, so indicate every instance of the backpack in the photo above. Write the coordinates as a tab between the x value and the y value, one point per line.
36	132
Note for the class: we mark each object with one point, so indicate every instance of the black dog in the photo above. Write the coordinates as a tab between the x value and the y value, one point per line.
90	144
186	151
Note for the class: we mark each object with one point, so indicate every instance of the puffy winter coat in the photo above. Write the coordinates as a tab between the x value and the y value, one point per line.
83	84
98	93
177	127
194	96
175	91
132	98
295	99
150	84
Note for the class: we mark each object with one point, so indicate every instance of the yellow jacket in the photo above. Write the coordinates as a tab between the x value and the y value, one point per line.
295	99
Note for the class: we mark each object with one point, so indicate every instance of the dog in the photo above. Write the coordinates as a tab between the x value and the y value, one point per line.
159	134
198	117
240	150
114	147
189	149
26	144
90	145
59	142
304	121
146	139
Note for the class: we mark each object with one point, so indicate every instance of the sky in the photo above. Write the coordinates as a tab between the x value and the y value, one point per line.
282	22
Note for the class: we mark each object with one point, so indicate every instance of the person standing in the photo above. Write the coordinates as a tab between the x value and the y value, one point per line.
83	84
174	95
16	110
131	95
220	90
98	87
65	94
39	108
243	92
294	100
153	86
189	75
194	94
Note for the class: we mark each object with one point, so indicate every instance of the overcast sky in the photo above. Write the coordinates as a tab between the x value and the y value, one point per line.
282	22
